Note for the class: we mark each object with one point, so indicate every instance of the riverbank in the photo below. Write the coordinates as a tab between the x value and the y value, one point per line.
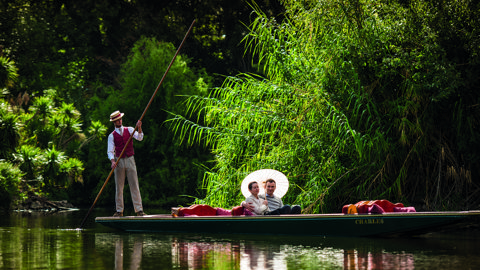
39	203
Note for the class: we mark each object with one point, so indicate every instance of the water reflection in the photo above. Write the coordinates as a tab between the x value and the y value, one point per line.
354	259
233	254
136	254
38	242
253	255
202	255
156	251
257	257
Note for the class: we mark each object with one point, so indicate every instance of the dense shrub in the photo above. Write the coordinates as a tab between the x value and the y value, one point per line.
10	178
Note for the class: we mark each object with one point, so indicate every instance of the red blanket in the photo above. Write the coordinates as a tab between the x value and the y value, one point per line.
375	207
207	210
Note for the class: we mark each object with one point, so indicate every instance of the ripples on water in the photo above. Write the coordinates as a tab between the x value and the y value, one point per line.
53	242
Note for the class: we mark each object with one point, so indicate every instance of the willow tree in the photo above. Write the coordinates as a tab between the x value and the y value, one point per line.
346	107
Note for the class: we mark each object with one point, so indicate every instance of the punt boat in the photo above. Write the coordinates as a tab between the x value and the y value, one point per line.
341	225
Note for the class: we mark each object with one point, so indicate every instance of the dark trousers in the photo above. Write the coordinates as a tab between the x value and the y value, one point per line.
285	210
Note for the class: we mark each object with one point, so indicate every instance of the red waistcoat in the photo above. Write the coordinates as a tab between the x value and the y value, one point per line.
120	142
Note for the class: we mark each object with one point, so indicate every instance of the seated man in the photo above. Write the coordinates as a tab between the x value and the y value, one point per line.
275	203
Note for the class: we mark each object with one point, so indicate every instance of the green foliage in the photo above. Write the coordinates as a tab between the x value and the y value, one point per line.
53	161
77	48
166	170
8	72
29	144
71	171
355	99
54	122
360	100
10	177
70	45
9	131
30	159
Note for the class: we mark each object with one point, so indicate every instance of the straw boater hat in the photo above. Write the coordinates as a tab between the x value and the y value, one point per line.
261	176
116	115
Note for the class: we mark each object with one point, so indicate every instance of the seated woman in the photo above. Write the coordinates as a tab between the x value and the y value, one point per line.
260	206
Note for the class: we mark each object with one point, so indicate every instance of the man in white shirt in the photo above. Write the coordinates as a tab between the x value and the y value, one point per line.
126	165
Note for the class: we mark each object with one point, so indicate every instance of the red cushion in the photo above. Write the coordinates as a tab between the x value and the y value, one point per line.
364	207
198	209
223	212
238	211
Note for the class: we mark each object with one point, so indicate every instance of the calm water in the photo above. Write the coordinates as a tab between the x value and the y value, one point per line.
52	242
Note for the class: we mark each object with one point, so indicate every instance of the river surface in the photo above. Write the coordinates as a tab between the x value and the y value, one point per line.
41	241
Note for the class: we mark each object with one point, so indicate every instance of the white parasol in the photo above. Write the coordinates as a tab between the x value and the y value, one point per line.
261	176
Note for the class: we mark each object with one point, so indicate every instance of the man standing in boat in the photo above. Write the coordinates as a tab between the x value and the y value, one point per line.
275	203
126	164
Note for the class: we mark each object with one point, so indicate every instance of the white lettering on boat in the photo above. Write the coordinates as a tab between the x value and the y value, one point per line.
369	221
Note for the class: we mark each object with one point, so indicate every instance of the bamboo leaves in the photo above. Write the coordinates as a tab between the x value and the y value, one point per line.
346	108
